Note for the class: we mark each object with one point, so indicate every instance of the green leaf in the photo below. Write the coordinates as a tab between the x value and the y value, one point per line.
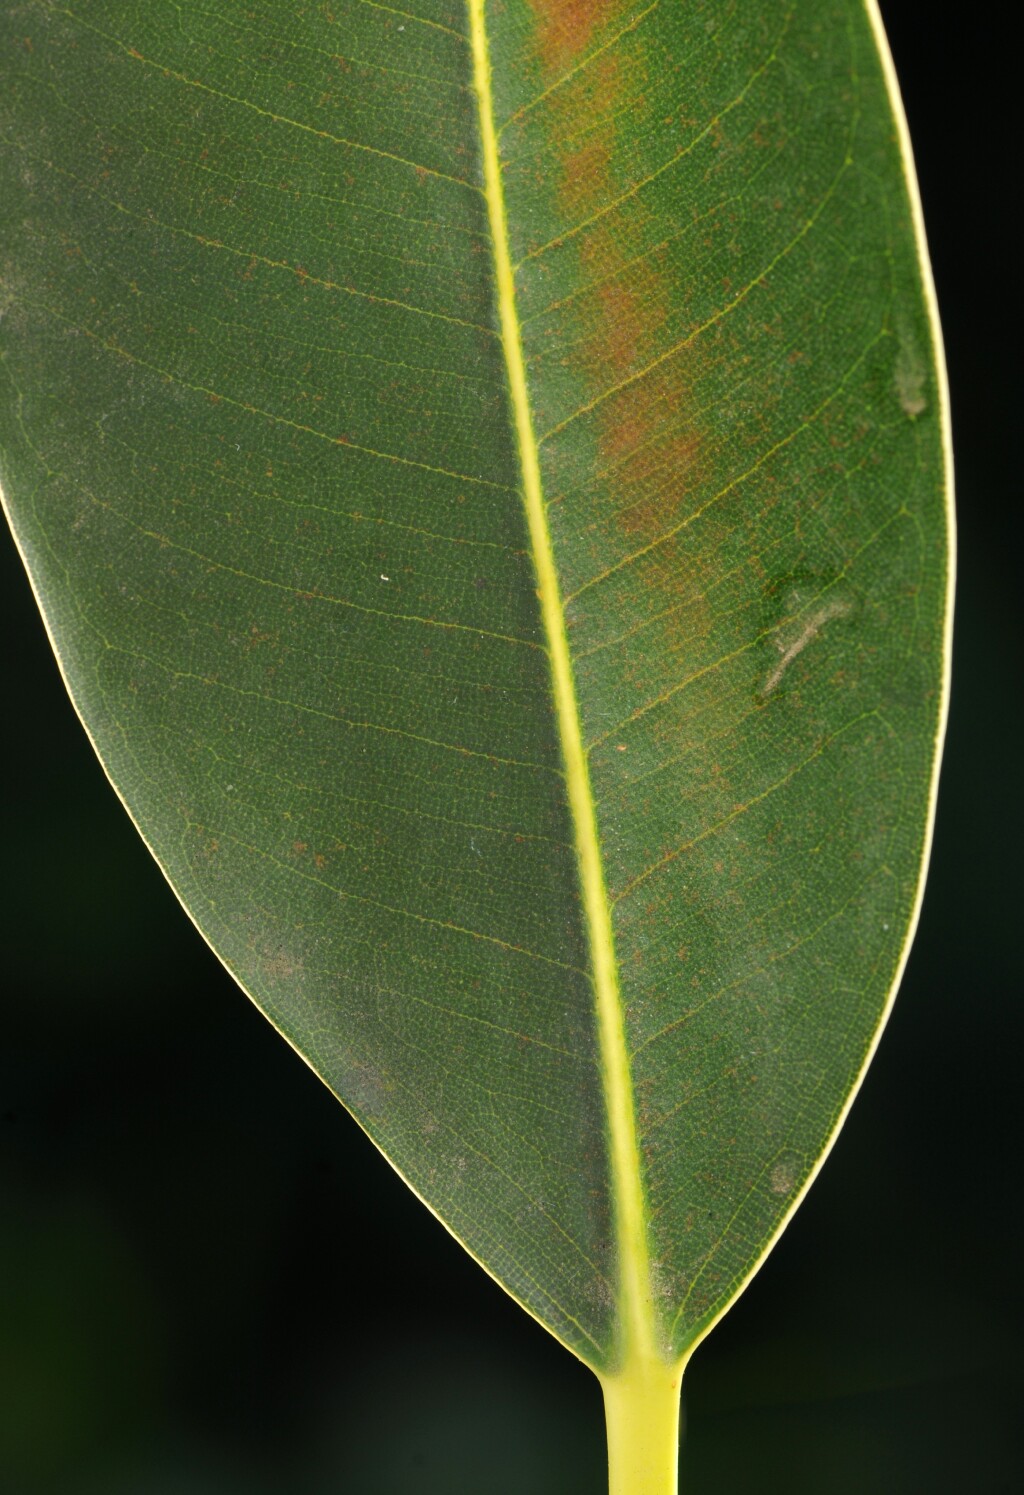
484	473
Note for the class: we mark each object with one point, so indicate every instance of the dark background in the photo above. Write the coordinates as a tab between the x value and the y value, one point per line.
211	1283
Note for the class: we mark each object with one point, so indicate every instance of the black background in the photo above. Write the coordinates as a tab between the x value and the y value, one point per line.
211	1283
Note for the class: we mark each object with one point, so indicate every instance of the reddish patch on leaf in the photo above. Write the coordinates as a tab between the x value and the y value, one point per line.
584	170
647	442
626	332
623	320
565	28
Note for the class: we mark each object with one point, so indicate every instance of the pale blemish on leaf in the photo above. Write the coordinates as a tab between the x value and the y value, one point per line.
834	608
784	1175
910	376
367	1088
280	967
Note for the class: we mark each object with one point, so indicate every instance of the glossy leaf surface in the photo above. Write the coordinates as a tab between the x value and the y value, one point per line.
574	843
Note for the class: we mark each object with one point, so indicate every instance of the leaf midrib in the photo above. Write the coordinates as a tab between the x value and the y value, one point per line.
638	1337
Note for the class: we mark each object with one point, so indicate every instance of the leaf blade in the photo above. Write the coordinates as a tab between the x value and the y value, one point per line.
313	587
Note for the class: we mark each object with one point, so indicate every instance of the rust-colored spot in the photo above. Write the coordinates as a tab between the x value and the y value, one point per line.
647	444
622	318
637	419
565	29
584	136
584	169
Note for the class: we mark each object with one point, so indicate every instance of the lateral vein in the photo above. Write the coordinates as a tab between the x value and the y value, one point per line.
639	1338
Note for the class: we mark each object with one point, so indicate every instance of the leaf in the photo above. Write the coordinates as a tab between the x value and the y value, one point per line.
484	472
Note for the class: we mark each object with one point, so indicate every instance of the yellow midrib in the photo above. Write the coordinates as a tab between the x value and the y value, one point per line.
638	1336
